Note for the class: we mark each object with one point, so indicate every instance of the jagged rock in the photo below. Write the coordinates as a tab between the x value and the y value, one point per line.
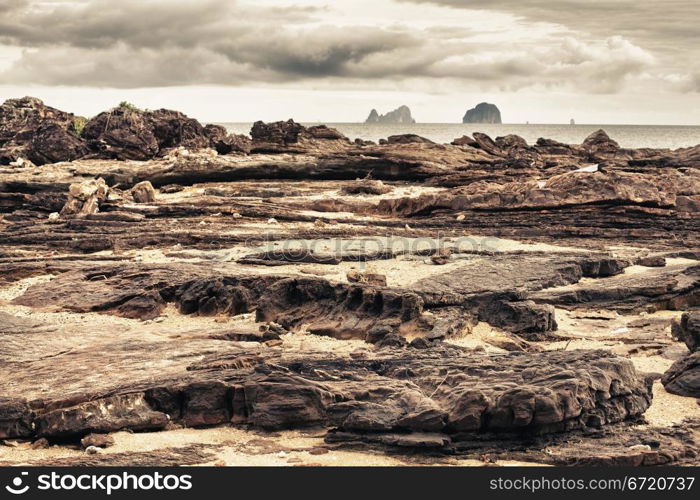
553	147
373	117
688	330
173	129
511	141
15	418
208	298
324	132
483	113
277	132
484	142
683	378
30	129
598	145
127	133
520	317
402	114
407	139
143	192
85	198
226	143
465	140
52	143
341	311
292	137
128	411
122	133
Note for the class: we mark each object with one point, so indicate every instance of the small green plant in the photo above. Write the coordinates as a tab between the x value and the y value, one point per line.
129	106
78	125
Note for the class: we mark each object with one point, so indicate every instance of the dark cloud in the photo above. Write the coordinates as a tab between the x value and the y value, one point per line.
651	23
136	43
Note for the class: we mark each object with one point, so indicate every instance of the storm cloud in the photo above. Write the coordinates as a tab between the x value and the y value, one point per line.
155	43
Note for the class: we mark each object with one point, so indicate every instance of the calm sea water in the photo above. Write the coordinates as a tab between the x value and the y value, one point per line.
629	136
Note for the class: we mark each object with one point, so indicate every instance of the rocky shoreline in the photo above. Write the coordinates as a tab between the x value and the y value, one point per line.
484	300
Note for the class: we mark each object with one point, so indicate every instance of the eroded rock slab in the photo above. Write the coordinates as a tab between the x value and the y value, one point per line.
444	389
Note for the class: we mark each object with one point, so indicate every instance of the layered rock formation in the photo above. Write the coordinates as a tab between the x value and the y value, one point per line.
402	114
482	113
487	297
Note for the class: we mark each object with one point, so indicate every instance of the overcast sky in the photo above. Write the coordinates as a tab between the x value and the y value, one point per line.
543	61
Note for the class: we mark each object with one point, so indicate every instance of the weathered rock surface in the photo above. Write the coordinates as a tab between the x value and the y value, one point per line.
483	113
683	378
136	307
127	133
143	192
31	130
85	198
688	330
447	390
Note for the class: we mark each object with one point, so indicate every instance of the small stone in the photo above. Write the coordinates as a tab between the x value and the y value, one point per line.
282	454
318	451
143	192
272	220
97	441
640	447
369	278
40	444
92	450
440	259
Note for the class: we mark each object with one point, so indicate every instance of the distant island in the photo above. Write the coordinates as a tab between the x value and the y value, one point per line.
402	114
483	113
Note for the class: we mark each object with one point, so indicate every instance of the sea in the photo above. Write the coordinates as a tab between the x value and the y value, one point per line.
628	136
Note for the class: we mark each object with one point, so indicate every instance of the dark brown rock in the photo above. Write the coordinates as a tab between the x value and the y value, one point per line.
97	440
366	186
683	378
127	133
598	145
31	130
143	192
123	134
226	143
688	330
